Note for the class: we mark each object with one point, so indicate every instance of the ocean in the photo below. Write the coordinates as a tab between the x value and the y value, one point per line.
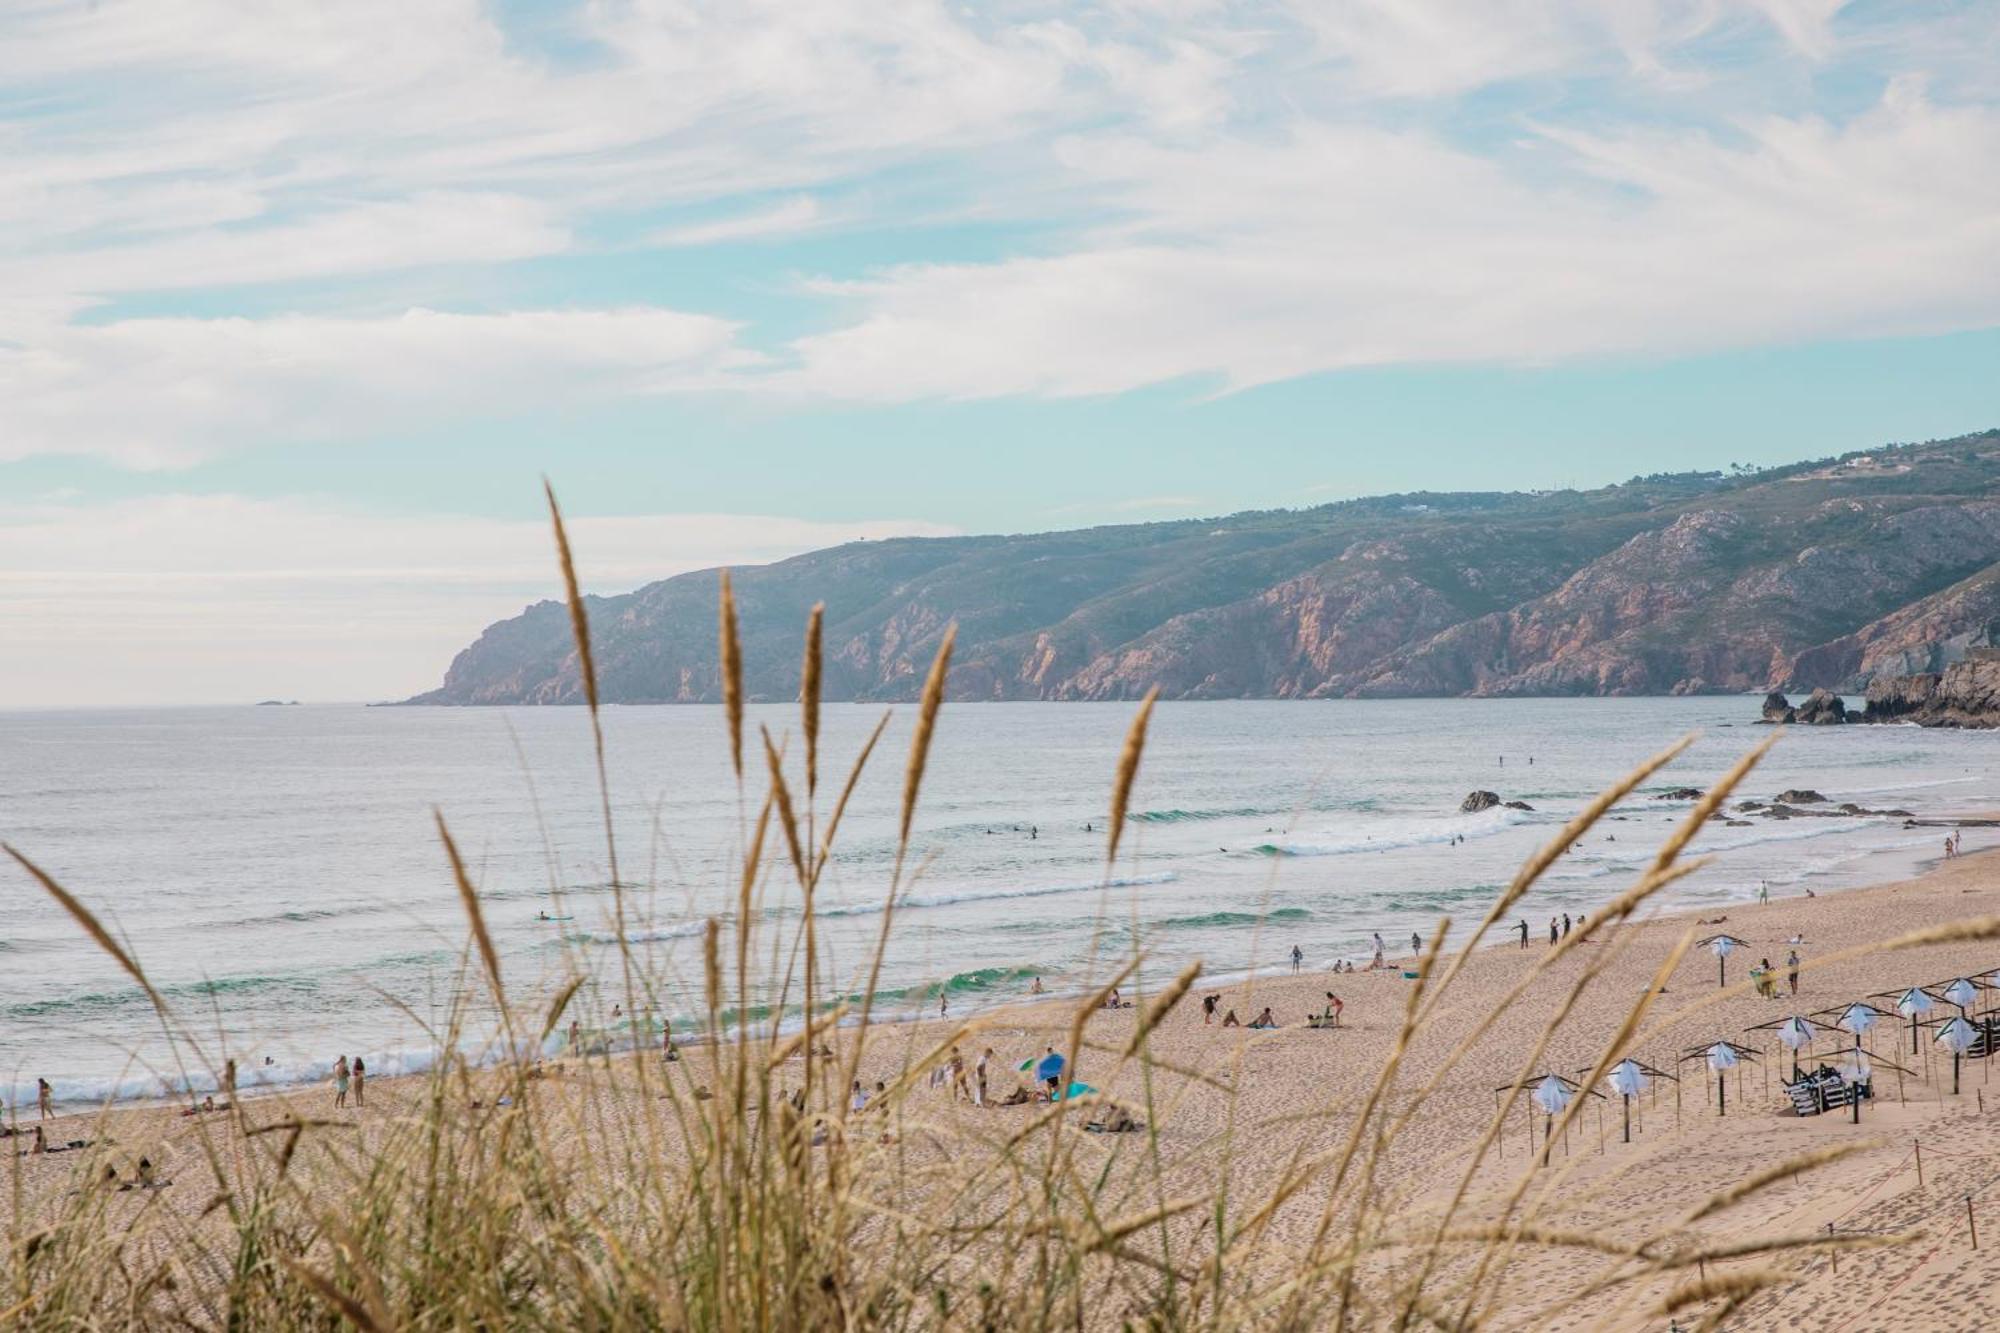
278	873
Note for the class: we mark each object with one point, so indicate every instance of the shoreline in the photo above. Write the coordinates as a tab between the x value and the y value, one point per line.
411	1063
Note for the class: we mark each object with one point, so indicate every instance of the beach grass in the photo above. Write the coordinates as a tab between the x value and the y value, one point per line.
736	1187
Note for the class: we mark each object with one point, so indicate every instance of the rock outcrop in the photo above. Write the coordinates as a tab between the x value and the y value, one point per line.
1777	708
1798	796
1965	694
1820	576
1822	708
1477	801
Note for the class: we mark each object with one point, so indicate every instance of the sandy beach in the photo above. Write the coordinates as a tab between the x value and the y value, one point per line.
1244	1116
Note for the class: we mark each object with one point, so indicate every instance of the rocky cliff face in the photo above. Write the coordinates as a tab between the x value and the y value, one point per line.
1820	575
1965	694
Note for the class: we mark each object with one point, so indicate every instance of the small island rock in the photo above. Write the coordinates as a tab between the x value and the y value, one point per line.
1479	800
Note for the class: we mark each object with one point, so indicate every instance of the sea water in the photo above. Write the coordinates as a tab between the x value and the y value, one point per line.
278	872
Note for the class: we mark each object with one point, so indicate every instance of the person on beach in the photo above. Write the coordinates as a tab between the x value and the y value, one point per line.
1298	958
1208	1003
1552	930
944	1004
1764	892
1565	925
1230	1020
360	1082
979	1077
340	1082
229	1076
1331	1014
1264	1020
858	1100
1524	932
1416	945
959	1087
44	1099
1792	971
576	1036
1054	1080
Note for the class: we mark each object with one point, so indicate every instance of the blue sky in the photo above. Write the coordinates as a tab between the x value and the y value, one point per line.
297	303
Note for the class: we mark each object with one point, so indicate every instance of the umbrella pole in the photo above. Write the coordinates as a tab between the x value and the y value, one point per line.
1722	1092
1954	1073
1627	1098
1502	1135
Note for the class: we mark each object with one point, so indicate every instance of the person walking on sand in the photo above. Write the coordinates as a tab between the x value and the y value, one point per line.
979	1069
944	1003
360	1083
858	1100
960	1089
1298	958
1792	970
576	1036
1416	945
45	1099
1208	1003
340	1082
1764	892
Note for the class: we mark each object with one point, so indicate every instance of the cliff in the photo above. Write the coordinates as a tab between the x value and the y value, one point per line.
1965	694
1823	574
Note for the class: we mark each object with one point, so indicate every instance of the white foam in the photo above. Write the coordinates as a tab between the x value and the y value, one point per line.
1408	833
996	895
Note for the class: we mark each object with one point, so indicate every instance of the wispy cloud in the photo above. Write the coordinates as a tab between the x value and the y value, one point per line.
784	218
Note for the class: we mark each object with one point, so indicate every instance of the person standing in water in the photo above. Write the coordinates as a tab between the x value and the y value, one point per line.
45	1099
1416	945
1298	958
340	1082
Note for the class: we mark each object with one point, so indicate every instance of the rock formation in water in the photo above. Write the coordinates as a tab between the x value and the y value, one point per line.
1965	694
1822	575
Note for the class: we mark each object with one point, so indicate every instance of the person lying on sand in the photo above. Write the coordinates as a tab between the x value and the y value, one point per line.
1230	1020
1711	920
1111	1118
1264	1020
1020	1096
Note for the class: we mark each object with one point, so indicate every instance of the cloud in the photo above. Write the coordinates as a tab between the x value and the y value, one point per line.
781	219
1229	193
160	392
1343	247
220	598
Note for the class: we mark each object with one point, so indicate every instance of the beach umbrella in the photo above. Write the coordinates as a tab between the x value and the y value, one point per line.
1551	1095
1721	1057
1049	1066
1628	1078
1913	1004
1796	1033
1958	1035
1962	993
1722	946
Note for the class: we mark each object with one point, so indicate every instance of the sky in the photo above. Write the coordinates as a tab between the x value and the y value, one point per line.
300	302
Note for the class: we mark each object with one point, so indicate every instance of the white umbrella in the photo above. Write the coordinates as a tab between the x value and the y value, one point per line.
1627	1079
1722	1056
1961	993
1913	1004
1797	1032
1959	1036
1551	1095
1856	1068
1858	1018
